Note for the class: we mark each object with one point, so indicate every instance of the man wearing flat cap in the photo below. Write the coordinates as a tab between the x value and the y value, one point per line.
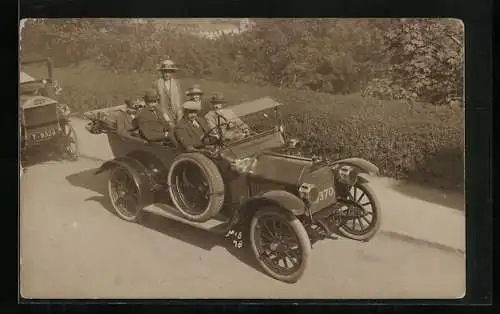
169	92
194	93
149	120
190	130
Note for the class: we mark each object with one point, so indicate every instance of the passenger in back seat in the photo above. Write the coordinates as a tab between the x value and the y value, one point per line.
125	120
150	121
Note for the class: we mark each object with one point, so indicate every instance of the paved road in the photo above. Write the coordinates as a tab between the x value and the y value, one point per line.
73	247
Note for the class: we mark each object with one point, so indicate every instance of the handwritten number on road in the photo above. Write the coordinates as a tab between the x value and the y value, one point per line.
237	236
238	244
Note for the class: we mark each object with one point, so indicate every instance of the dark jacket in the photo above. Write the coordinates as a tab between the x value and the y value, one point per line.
188	135
151	124
125	123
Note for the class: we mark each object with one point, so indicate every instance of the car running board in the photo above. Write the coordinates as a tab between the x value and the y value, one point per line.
218	224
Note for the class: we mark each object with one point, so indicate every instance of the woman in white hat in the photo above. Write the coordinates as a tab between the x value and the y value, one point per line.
169	91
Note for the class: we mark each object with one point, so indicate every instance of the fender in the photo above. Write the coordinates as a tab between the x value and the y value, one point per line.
140	174
155	167
283	199
363	164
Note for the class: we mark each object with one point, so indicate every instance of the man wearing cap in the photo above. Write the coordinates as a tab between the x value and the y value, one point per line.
190	130
169	92
232	127
194	93
150	122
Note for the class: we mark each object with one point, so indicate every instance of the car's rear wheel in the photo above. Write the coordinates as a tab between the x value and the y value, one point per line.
196	186
69	145
280	243
124	195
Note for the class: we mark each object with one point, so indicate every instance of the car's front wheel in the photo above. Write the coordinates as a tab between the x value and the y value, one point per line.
364	214
280	244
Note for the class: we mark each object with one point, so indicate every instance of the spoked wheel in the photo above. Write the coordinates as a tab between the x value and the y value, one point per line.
280	244
69	142
124	194
361	220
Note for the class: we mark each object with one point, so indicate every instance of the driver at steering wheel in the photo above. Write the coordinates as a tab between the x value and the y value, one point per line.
191	128
232	128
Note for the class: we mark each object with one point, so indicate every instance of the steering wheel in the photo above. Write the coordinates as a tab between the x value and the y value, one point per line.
205	139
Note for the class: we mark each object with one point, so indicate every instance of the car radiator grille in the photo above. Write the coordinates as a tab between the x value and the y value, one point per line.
40	115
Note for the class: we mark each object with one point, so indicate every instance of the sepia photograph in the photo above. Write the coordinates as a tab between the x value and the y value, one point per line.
242	158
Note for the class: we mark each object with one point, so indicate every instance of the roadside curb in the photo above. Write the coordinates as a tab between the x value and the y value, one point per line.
388	233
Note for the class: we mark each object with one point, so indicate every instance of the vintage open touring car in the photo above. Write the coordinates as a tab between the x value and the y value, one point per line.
44	122
251	185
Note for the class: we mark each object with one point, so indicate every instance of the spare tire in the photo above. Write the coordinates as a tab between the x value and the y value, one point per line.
196	186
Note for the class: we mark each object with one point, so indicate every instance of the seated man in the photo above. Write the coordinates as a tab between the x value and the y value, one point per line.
150	122
232	128
191	128
125	119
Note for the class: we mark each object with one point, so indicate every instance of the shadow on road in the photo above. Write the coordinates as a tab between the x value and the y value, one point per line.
193	236
40	156
88	180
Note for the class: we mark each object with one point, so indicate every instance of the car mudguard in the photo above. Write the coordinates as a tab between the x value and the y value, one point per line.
157	169
139	172
362	164
281	198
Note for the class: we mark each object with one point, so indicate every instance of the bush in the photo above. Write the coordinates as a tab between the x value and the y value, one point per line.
415	60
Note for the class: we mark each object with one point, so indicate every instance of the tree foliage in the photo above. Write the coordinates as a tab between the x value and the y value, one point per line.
415	60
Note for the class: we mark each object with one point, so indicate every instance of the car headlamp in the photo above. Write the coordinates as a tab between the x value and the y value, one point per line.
347	175
308	192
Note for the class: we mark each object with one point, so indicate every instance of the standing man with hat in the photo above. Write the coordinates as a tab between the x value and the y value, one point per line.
194	93
169	92
190	130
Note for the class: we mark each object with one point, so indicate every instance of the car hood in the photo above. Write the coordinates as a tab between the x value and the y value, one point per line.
292	171
35	101
280	168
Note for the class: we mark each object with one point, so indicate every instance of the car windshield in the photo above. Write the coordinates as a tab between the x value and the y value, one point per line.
25	78
257	115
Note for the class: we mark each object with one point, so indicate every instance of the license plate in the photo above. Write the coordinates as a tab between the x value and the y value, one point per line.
43	136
